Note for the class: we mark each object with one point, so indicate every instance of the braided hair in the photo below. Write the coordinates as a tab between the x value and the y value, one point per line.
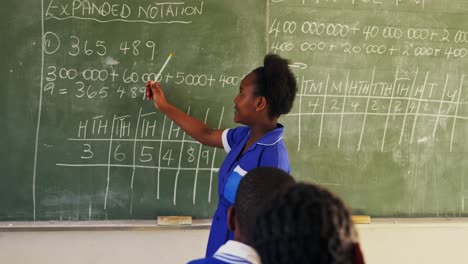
256	188
306	224
277	84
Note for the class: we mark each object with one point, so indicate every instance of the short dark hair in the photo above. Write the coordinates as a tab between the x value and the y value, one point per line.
277	84
305	224
256	188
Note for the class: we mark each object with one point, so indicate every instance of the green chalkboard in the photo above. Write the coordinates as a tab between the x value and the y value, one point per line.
80	141
380	117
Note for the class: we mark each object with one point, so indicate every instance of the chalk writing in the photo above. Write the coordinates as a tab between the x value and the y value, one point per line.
154	13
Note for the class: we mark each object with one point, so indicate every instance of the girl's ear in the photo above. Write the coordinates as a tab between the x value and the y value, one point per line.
261	104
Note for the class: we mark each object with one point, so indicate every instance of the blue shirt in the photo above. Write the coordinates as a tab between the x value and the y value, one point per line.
232	252
268	151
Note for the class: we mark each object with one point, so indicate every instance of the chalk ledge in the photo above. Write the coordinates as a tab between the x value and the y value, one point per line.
204	224
98	225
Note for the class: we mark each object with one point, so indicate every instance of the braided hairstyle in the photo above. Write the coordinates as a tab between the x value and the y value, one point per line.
256	188
277	84
306	224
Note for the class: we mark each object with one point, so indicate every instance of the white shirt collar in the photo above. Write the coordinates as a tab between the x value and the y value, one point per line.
236	252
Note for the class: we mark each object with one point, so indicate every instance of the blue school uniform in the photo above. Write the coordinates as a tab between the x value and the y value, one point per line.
269	151
233	252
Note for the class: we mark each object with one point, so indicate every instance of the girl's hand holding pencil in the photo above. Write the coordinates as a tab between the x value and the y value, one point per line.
154	90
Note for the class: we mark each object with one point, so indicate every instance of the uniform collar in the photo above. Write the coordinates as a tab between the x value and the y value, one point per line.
233	250
272	137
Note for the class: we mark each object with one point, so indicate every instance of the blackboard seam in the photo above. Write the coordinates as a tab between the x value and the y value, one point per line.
267	26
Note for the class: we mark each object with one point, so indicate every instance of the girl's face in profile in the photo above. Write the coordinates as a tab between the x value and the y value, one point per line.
245	103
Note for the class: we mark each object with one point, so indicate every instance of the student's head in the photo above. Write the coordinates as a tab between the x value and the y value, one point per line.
306	224
266	92
255	188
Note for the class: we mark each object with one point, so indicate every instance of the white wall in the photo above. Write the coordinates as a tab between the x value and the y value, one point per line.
415	241
115	247
384	241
